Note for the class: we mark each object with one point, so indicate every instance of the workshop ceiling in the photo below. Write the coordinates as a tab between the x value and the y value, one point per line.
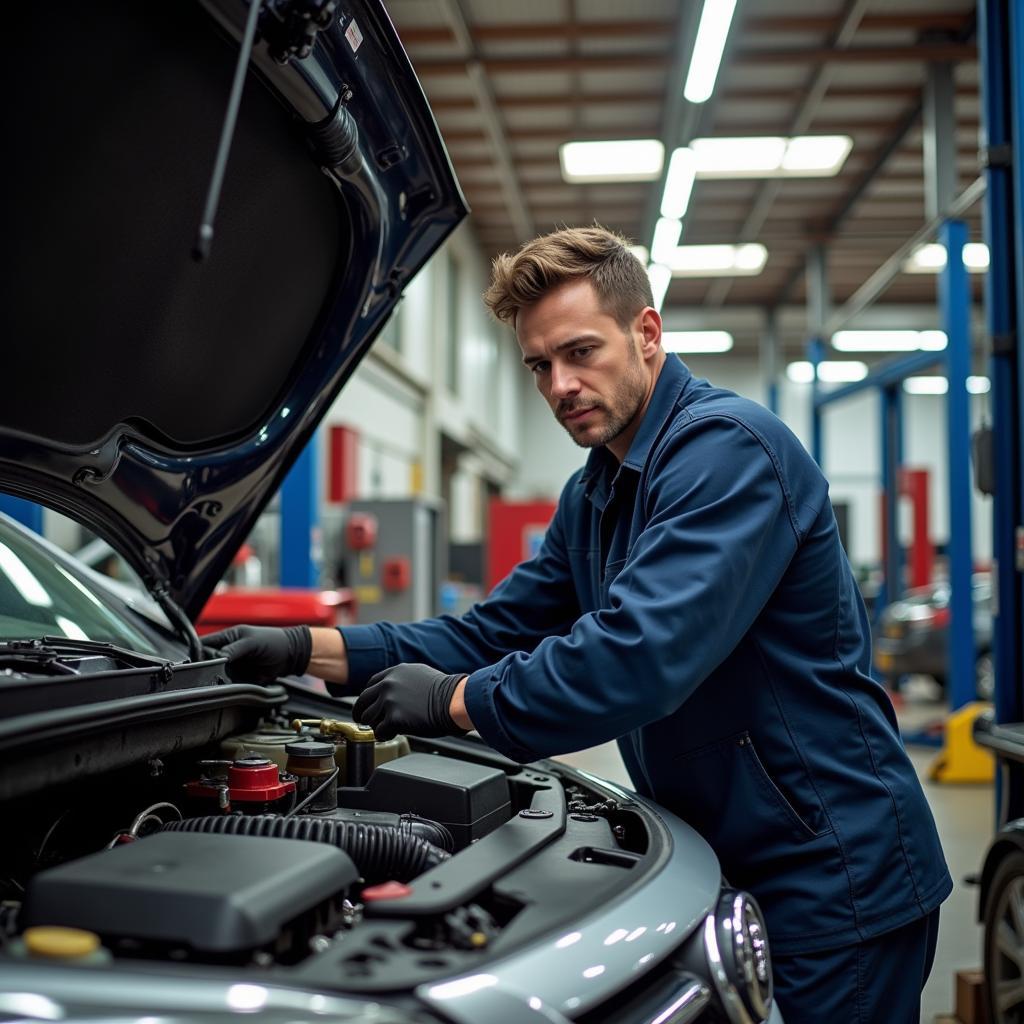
509	83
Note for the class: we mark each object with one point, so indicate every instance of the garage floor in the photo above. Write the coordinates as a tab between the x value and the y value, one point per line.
965	816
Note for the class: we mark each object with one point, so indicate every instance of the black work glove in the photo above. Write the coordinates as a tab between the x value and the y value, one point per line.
261	654
408	698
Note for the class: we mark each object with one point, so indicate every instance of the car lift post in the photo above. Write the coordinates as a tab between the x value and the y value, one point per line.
299	541
1001	227
891	434
1001	50
954	302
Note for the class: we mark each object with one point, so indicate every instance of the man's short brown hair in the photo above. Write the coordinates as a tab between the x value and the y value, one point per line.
619	278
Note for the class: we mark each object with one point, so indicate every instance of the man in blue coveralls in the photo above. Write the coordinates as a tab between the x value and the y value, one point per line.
690	599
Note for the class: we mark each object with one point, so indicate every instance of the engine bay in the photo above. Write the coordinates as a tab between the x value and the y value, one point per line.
304	848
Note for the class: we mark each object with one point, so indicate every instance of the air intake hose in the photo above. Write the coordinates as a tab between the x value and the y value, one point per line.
381	853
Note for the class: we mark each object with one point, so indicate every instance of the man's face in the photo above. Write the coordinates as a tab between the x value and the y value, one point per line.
595	374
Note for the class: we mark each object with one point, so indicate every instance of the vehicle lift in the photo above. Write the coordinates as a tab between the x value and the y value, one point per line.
1001	53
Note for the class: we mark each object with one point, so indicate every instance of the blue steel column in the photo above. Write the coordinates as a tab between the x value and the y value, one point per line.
1016	56
993	34
819	302
891	436
816	354
28	513
300	544
769	353
954	302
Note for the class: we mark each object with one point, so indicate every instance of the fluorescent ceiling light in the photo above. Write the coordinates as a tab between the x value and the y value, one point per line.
936	385
617	160
678	183
659	275
666	240
889	341
771	156
926	385
931	258
718	260
640	252
715	19
750	258
830	371
975	256
696	341
816	155
753	157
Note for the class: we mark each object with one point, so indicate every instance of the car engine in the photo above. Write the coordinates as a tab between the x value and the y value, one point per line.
306	845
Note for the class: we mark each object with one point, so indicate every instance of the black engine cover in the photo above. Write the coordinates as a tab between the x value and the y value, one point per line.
469	799
213	893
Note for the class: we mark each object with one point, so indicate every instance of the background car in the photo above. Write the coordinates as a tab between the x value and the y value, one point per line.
912	635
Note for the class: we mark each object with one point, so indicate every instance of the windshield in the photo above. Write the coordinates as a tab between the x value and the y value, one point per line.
40	597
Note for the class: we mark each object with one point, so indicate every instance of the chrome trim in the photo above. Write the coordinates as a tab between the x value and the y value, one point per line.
750	946
744	990
687	1003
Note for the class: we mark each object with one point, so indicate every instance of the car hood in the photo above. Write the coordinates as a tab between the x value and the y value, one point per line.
161	400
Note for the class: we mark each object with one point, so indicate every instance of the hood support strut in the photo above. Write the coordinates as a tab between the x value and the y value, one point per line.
204	237
177	617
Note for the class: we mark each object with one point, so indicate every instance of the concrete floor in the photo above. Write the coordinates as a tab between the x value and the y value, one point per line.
965	816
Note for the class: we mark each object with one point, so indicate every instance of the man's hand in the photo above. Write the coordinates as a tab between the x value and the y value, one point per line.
261	654
409	698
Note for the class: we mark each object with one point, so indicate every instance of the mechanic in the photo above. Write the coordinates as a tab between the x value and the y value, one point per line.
691	599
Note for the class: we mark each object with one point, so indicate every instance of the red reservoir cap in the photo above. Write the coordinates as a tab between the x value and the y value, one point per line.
386	891
257	778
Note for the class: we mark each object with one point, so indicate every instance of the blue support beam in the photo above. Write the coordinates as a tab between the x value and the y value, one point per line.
1000	281
769	358
893	372
28	513
1016	74
300	543
891	434
816	355
955	305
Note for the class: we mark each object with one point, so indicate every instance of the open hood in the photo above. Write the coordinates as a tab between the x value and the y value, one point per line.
157	399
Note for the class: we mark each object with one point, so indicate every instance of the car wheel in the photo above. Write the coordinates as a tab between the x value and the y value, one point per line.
984	676
1004	941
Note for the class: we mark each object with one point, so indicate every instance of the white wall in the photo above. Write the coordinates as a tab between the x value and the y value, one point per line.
400	399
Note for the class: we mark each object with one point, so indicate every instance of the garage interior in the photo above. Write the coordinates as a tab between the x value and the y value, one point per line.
847	251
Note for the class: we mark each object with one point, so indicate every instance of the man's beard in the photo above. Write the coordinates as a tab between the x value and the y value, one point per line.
625	402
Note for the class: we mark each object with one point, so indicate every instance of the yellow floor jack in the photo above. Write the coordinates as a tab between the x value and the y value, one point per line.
961	759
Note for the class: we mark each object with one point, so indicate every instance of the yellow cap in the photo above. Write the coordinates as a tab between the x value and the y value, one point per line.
477	940
63	943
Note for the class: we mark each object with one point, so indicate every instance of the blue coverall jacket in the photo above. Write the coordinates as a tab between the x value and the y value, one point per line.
695	604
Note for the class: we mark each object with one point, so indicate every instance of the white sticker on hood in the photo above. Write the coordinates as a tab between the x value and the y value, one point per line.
353	35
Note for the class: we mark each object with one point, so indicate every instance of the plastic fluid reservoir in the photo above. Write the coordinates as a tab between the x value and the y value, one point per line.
269	743
312	762
383	750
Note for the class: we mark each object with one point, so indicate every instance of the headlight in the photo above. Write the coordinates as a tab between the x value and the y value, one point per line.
736	948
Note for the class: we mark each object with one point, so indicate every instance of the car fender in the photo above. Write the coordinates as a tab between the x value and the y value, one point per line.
1009	838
